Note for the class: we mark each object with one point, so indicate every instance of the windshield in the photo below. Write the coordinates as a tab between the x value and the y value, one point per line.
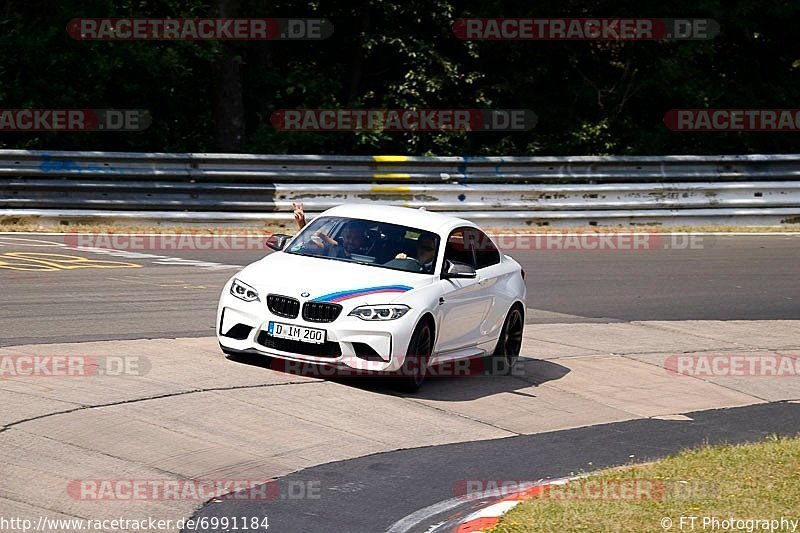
367	242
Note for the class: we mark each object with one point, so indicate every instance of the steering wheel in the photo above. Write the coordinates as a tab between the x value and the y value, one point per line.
408	263
371	239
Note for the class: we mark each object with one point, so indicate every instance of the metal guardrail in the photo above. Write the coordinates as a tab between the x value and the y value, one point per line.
496	191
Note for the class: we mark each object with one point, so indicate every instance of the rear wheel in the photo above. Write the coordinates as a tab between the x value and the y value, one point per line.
415	366
509	344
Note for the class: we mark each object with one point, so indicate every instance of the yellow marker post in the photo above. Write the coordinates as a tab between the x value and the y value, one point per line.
392	176
391	189
390	158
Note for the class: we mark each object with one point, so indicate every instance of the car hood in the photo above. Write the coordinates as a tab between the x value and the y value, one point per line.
329	280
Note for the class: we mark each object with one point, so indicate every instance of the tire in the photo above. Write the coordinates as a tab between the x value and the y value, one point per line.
509	344
415	367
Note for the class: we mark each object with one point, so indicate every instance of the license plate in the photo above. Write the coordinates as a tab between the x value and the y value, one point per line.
296	333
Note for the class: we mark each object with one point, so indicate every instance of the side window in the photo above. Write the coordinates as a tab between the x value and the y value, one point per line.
486	253
459	248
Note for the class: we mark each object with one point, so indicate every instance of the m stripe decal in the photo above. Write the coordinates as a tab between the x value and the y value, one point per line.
355	293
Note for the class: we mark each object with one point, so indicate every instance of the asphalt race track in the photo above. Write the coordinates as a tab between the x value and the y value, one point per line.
591	391
362	494
730	278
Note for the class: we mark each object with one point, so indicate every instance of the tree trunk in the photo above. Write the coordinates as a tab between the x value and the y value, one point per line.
357	67
229	109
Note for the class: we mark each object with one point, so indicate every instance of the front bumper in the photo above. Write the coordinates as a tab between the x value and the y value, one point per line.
378	346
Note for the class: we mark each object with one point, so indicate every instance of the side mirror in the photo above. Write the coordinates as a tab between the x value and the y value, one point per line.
277	241
454	269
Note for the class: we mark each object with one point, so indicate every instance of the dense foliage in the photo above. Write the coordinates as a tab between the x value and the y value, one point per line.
590	97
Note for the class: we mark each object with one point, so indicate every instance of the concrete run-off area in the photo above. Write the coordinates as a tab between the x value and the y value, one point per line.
184	412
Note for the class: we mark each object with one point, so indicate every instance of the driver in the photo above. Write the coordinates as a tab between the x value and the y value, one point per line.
352	240
299	214
353	235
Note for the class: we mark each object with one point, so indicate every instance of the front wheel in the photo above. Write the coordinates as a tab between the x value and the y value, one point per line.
415	366
509	344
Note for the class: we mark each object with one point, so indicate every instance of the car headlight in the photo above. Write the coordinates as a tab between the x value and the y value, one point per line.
380	312
243	291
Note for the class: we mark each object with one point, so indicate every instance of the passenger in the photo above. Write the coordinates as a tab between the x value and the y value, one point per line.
426	257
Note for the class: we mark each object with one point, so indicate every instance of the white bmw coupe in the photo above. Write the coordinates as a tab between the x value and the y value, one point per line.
378	289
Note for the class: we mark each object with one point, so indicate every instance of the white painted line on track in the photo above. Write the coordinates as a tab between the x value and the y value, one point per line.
7	240
494	509
158	259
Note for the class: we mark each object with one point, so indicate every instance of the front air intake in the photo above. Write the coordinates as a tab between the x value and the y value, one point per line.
366	352
239	332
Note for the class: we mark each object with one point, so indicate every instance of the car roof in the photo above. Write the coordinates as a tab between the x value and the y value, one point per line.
416	218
